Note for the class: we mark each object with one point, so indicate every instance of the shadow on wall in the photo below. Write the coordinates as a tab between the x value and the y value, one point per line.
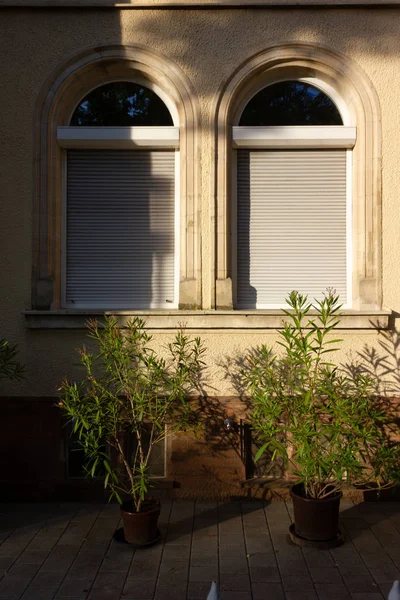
187	31
267	467
222	454
381	363
217	455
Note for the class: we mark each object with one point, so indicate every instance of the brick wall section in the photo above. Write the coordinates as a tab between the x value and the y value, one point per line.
32	455
208	466
31	438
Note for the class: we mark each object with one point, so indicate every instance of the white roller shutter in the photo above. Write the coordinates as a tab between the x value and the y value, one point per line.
291	225
120	229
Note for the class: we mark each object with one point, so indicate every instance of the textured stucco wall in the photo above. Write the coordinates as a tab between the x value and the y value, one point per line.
208	46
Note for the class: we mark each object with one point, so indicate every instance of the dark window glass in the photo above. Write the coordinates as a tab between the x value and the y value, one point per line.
121	104
290	103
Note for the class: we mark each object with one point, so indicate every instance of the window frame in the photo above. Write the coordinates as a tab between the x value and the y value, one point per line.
119	138
113	145
359	108
295	137
132	138
268	142
65	88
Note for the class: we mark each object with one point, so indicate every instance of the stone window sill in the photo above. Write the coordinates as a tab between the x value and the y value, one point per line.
201	320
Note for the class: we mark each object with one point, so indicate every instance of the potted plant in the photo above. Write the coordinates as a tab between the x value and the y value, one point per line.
328	423
131	399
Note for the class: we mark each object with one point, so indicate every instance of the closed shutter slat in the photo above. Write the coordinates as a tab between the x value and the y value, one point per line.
120	249
291	224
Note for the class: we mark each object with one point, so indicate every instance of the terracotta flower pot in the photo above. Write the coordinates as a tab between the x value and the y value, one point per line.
140	527
315	520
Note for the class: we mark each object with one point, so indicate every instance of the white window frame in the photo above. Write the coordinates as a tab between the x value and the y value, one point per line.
118	138
296	137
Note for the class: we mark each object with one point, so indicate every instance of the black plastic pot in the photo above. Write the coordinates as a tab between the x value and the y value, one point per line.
140	528
373	494
315	520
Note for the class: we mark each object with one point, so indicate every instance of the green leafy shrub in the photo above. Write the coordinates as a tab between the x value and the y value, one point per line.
129	390
329	425
10	367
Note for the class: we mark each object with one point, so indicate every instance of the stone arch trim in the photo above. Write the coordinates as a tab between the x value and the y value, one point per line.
295	60
59	96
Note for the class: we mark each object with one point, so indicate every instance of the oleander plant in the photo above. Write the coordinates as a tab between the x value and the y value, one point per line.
329	424
132	398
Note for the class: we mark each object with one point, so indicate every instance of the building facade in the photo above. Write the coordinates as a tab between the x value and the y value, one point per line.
266	160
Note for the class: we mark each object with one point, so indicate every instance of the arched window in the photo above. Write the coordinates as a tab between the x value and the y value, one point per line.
121	104
293	209
120	230
290	103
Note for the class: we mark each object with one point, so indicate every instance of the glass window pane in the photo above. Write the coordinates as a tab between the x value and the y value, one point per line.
290	103
121	104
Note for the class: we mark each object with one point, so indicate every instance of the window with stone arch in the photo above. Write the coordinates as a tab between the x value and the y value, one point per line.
115	208
293	202
299	197
121	239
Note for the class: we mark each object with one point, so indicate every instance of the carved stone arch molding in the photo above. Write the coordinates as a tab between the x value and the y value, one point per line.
54	107
355	96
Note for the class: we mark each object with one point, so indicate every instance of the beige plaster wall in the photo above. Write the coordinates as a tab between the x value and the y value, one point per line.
208	46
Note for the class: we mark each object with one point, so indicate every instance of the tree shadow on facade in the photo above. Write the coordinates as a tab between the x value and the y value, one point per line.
381	363
217	454
267	469
381	367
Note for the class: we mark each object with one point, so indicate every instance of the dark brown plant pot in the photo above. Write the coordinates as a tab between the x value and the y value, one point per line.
373	494
315	520
140	527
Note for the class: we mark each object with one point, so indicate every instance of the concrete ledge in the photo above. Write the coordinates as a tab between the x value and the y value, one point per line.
202	320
